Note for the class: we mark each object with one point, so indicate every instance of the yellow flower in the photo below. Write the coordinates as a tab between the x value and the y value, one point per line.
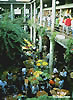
37	73
38	64
71	74
44	63
39	61
29	45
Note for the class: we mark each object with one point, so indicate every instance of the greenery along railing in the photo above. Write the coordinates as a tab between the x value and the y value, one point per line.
50	98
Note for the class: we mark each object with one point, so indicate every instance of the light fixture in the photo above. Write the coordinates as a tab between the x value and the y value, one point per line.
57	2
45	5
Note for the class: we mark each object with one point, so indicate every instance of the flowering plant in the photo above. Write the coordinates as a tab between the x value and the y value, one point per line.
41	63
33	80
37	73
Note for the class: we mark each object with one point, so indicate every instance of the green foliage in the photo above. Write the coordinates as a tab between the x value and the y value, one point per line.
19	21
48	98
39	98
11	37
68	54
31	22
41	30
53	35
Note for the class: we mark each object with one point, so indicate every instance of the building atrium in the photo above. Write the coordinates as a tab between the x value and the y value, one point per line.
36	49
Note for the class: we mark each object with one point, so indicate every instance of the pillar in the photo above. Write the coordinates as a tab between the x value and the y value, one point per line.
24	16
53	14
40	37
34	31
31	26
11	11
51	56
41	8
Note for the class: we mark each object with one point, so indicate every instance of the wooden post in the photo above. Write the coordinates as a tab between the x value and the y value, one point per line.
11	11
31	26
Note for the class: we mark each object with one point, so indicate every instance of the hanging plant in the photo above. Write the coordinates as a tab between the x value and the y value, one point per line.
11	39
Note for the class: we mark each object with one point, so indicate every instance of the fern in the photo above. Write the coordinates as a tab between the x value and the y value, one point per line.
11	37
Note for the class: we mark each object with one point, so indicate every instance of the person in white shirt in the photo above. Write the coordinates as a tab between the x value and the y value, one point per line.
55	70
24	71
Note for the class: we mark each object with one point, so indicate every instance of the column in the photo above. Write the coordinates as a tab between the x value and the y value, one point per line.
11	11
51	56
40	37
34	35
41	8
24	16
53	14
31	26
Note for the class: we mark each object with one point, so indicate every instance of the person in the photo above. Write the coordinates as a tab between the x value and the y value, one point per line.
61	83
47	57
57	23
63	73
55	70
49	21
68	25
1	93
64	26
52	83
72	25
61	22
24	70
19	81
47	89
29	90
35	89
10	77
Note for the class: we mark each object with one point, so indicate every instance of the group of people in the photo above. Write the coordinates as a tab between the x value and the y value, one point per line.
66	24
63	23
21	85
